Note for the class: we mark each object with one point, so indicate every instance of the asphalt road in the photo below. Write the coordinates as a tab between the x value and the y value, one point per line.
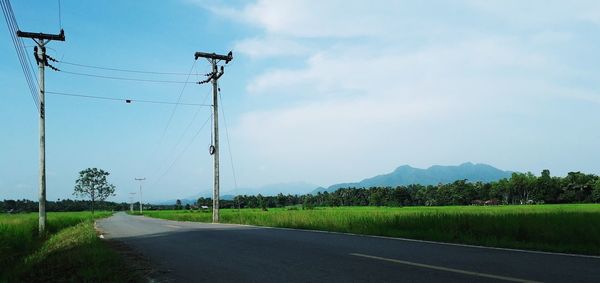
197	252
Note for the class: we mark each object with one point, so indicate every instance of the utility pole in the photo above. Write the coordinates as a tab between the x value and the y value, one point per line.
140	179
41	39
214	59
131	198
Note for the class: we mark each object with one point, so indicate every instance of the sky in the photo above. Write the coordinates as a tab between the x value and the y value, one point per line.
321	91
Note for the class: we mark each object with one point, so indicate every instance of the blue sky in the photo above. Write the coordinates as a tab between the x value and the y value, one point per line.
318	91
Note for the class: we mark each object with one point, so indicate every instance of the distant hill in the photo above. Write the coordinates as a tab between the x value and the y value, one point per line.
267	190
407	175
274	189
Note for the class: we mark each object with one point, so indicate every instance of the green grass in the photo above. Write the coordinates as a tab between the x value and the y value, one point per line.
571	228
70	251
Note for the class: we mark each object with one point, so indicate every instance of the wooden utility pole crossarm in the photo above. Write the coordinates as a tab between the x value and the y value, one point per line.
42	36
214	56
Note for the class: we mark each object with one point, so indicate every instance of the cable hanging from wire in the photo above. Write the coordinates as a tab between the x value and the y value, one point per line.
126	100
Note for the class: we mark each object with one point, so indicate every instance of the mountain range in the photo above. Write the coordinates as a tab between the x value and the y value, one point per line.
402	176
407	175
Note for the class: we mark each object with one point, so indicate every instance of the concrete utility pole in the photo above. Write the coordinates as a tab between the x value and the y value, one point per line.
214	148
131	198
41	39
140	179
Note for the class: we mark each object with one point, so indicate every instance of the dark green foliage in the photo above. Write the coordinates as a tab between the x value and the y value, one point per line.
19	206
93	184
520	188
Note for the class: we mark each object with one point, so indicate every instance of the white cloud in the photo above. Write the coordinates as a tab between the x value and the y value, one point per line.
536	13
398	82
312	18
259	48
356	70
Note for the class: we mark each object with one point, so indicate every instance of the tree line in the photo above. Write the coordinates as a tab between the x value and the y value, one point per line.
25	205
520	188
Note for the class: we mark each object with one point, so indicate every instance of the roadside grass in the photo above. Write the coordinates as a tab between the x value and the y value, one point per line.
569	228
71	251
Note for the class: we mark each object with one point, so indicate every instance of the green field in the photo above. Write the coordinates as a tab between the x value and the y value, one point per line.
570	228
71	251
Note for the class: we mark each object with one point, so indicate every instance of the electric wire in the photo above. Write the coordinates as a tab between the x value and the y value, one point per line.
124	78
164	132
235	183
185	131
13	27
121	70
25	57
59	15
19	48
175	107
183	151
228	143
127	100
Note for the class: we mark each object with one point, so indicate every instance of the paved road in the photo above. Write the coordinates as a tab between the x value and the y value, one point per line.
196	252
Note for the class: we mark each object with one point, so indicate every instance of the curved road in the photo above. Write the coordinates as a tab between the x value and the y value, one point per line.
198	252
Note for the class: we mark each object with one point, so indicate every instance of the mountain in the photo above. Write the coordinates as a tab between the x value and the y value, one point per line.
407	175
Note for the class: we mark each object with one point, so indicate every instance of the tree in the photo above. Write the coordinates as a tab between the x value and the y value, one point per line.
92	184
203	201
281	200
262	202
596	191
178	204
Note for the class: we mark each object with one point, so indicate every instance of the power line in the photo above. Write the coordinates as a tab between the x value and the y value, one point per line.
164	133
59	15
124	79
228	144
127	100
184	150
235	183
178	100
19	48
189	125
122	70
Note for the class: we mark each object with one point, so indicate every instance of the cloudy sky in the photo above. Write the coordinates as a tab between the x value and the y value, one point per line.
318	91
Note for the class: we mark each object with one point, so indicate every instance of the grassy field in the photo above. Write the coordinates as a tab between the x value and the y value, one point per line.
71	251
571	228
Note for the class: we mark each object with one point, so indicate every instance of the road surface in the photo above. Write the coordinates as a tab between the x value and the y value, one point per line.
197	252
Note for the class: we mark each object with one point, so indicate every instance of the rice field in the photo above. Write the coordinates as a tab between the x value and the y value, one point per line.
70	244
569	228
